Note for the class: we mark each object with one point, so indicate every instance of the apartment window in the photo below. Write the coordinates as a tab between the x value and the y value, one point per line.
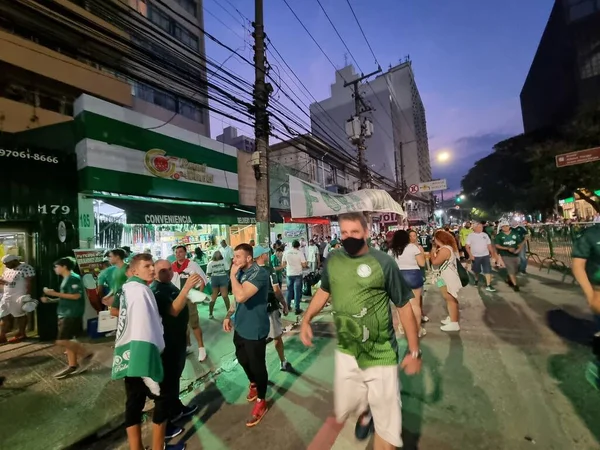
589	57
190	110
159	18
188	5
187	38
170	25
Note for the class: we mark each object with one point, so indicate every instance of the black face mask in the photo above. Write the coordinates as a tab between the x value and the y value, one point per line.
353	245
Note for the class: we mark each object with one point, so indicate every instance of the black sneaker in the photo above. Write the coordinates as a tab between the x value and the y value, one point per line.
516	288
85	363
186	411
286	366
509	282
172	431
67	371
299	311
364	426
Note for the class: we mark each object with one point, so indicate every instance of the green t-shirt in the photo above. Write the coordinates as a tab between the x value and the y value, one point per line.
273	281
175	328
105	277
117	298
521	231
464	234
587	246
425	241
511	240
275	262
361	289
71	308
251	317
119	278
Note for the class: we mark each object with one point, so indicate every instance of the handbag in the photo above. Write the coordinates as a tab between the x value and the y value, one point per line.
462	274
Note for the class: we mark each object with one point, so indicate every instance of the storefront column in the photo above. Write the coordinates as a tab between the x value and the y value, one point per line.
86	222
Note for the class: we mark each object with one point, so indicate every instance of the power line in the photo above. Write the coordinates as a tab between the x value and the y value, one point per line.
362	31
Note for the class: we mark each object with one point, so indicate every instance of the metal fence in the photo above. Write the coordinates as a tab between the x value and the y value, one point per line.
551	245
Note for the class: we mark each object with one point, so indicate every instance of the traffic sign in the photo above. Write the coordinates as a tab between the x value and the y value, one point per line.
413	189
578	157
434	185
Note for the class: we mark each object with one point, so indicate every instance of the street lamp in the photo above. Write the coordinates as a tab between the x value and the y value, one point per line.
443	156
462	196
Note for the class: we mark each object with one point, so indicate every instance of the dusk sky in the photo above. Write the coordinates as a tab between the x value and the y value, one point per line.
470	59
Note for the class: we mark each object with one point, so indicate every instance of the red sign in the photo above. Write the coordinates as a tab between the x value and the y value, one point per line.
413	189
579	157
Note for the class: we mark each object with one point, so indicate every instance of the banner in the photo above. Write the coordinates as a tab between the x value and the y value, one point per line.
309	200
431	186
90	265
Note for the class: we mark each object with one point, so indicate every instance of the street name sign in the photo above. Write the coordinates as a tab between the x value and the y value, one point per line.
434	185
578	157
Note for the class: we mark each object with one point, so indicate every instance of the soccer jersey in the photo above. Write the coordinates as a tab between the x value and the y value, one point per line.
587	247
361	290
71	308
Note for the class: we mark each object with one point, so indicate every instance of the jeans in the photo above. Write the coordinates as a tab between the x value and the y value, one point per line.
523	259
252	357
294	290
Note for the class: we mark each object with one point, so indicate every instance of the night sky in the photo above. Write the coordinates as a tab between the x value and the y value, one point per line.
470	59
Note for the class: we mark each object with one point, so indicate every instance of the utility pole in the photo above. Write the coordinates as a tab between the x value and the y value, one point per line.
401	188
364	129
260	159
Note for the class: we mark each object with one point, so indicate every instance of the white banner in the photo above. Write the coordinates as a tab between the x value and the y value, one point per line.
309	200
433	185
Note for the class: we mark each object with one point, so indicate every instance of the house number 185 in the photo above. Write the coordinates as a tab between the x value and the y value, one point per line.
54	209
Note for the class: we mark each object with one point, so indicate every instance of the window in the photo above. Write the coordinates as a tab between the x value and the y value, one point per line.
187	38
159	18
589	57
170	25
188	5
190	110
579	9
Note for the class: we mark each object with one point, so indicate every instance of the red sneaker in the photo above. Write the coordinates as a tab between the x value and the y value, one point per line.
252	393
258	412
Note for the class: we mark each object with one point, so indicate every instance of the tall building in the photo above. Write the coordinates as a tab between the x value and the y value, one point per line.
398	116
564	76
230	137
147	55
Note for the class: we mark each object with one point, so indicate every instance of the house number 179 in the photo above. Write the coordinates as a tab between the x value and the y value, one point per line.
54	209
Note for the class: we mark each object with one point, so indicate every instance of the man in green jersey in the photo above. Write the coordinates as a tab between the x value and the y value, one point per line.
71	307
362	282
108	277
586	270
509	244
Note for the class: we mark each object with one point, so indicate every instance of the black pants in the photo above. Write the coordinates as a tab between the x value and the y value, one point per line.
252	357
167	404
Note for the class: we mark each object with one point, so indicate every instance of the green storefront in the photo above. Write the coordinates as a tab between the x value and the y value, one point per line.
172	186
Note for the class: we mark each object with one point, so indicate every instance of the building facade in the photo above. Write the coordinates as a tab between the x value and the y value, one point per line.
398	116
564	77
230	137
147	55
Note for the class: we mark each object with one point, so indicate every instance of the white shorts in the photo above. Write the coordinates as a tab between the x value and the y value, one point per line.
276	328
356	390
11	308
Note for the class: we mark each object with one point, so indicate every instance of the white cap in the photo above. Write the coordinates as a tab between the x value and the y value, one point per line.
9	258
504	223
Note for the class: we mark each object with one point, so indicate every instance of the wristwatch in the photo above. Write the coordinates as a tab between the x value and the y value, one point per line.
415	355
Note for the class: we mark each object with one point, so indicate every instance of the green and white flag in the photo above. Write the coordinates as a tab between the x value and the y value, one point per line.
309	200
139	340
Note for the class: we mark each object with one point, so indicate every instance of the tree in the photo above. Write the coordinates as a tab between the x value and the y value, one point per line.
521	173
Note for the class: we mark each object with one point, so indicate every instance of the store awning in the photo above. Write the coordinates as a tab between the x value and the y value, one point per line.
170	213
287	218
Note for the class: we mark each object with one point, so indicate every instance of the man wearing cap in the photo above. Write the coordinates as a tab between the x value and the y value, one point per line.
17	281
509	244
276	302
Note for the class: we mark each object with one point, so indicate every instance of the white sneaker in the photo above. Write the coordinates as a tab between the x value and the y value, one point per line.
422	332
451	326
446	321
424	319
201	354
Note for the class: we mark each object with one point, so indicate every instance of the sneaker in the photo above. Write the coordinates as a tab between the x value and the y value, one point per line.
186	411
211	316
422	332
85	363
450	326
201	354
298	311
446	321
189	350
258	412
172	431
516	288
67	371
364	426
424	319
509	282
286	366
252	393
490	289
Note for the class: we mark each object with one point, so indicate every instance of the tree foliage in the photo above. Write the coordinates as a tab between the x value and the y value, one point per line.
521	173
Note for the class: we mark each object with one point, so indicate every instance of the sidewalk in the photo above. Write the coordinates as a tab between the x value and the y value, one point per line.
38	411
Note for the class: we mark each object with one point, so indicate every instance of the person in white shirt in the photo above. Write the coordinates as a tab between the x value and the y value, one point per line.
312	256
218	271
410	260
481	250
226	252
17	281
183	268
294	262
